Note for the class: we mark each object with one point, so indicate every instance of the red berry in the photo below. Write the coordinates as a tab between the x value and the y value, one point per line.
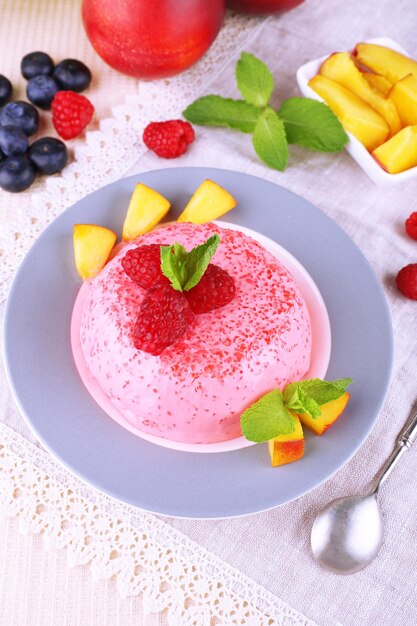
411	225
143	265
168	139
407	281
163	318
215	289
71	113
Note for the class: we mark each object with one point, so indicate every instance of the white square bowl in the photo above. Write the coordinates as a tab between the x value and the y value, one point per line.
355	148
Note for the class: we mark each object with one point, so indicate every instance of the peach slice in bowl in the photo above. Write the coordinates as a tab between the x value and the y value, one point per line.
356	148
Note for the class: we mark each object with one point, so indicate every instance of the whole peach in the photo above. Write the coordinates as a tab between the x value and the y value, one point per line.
262	7
152	38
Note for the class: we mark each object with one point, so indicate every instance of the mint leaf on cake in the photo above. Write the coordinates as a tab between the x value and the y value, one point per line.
198	260
173	265
185	269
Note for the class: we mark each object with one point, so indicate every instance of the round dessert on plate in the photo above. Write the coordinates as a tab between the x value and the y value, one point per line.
195	390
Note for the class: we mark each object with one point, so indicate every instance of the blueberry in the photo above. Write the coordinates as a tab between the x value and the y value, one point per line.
5	90
17	173
41	90
50	155
2	156
36	64
13	141
20	114
73	75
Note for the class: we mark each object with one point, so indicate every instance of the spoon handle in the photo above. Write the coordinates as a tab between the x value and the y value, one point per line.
405	440
409	435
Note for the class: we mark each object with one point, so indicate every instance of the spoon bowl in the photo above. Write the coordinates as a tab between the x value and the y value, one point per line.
347	534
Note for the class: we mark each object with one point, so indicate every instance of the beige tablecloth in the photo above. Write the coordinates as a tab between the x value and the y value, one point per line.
270	548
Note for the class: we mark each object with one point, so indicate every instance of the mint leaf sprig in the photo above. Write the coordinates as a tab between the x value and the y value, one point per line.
254	80
267	418
185	269
271	415
301	121
307	396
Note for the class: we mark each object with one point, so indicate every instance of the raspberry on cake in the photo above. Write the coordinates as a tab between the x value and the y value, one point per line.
143	265
178	283
163	318
196	389
215	289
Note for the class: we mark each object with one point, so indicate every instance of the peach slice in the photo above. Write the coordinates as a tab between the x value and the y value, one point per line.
92	247
146	209
390	63
378	82
330	411
355	114
398	153
208	202
287	448
341	68
404	96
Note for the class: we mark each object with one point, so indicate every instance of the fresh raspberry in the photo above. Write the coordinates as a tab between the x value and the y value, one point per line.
215	289
411	225
163	318
143	265
407	281
168	139
71	113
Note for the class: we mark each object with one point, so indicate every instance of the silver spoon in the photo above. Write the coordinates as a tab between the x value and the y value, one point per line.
347	534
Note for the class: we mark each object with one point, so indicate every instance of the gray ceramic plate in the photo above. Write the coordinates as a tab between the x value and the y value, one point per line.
76	431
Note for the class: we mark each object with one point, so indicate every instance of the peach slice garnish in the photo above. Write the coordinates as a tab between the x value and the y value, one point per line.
146	209
208	202
330	412
92	247
287	448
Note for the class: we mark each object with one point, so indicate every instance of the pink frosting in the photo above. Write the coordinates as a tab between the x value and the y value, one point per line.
196	390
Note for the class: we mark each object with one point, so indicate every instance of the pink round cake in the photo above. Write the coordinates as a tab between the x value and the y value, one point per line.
197	388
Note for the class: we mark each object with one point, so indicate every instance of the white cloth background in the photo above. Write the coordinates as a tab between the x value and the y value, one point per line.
271	548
